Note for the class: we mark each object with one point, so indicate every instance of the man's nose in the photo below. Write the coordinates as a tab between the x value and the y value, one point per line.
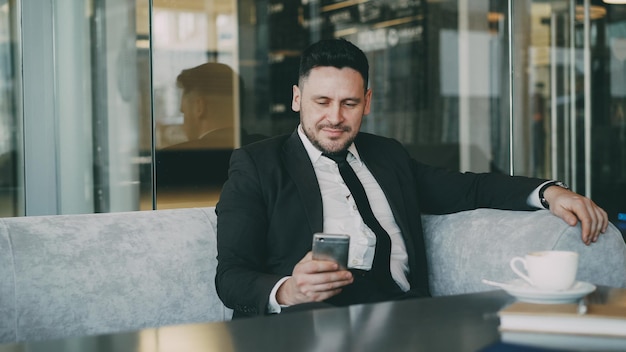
335	115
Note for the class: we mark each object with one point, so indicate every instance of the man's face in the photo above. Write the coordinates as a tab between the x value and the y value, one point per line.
332	103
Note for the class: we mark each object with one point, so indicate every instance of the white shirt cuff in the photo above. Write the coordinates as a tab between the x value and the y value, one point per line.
533	199
273	307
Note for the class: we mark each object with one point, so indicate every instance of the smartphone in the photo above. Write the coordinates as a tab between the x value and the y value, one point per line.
333	247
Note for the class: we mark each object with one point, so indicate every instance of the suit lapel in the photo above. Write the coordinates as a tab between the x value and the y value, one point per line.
298	164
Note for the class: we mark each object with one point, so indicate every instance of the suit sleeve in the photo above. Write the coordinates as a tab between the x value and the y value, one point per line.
441	191
241	280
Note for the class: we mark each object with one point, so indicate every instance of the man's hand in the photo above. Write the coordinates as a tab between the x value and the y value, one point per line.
312	281
572	207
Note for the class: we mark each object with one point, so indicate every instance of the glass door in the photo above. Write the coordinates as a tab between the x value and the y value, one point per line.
576	89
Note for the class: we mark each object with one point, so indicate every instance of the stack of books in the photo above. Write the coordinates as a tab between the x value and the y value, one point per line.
576	326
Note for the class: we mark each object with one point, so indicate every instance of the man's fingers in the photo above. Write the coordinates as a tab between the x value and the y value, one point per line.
320	286
596	218
603	217
602	222
315	267
318	296
307	265
585	228
324	281
593	219
331	285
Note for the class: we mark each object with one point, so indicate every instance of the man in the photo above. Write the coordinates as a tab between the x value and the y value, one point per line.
282	190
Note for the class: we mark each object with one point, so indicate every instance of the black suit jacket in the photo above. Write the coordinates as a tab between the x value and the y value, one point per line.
271	205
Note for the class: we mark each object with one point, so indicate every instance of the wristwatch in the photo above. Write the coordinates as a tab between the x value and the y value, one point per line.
543	188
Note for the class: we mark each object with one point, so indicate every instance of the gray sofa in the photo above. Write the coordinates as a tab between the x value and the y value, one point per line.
71	275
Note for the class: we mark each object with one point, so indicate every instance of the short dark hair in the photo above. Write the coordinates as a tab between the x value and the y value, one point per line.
209	78
337	53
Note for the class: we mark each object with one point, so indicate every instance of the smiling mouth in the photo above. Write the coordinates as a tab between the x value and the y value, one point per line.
333	133
335	129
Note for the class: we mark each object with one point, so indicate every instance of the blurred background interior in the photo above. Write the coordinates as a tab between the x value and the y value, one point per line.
97	115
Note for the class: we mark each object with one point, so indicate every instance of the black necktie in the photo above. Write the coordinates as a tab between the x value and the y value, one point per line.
382	253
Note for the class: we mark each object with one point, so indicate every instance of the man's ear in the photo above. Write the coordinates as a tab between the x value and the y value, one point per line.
198	106
296	100
368	101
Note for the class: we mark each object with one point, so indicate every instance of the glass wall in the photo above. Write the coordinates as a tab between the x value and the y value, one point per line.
70	118
575	85
138	105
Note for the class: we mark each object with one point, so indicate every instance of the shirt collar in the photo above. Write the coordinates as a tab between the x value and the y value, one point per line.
315	154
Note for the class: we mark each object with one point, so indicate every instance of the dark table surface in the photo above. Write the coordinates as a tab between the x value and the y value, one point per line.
454	323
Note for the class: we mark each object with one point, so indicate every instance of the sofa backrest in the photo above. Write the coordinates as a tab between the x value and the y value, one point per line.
72	275
466	247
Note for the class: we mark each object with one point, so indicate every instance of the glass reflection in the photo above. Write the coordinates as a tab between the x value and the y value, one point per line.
11	187
195	162
196	89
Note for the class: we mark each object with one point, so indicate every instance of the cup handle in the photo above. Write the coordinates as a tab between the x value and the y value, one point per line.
519	272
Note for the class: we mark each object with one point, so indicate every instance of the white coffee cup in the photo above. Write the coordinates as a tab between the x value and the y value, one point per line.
548	270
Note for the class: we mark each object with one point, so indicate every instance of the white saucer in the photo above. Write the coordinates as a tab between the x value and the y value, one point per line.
521	290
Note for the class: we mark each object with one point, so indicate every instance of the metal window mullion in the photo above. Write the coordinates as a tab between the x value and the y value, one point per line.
39	111
554	143
566	111
152	100
572	100
587	75
511	80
